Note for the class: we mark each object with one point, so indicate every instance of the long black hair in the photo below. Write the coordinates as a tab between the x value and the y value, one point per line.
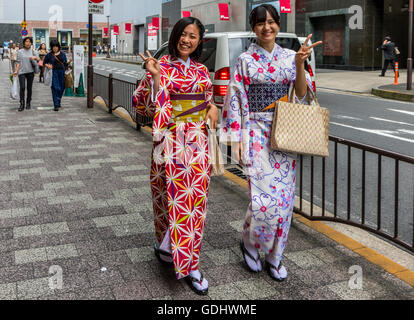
259	14
54	43
178	30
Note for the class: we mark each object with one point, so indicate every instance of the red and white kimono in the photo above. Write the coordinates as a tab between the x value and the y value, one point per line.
181	168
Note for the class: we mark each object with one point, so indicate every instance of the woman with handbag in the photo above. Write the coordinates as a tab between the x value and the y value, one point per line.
56	61
177	92
26	67
42	54
264	74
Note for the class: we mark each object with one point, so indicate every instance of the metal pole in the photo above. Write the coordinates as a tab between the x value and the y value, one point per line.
109	39
410	47
90	64
24	19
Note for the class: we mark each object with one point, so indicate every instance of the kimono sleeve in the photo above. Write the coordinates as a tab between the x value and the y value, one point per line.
143	98
209	84
235	105
163	112
309	96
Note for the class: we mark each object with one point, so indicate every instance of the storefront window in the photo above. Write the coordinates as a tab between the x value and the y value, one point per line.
65	39
40	36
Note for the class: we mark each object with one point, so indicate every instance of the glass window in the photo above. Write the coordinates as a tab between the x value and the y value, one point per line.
208	56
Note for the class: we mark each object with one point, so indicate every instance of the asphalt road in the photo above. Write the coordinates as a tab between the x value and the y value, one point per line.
377	122
366	119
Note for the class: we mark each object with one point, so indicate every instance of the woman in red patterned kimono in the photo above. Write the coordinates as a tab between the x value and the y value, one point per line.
177	92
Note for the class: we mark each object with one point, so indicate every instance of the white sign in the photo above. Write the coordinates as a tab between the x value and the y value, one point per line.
96	8
152	37
78	63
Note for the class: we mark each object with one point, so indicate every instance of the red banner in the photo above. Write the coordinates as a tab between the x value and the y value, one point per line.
156	22
224	11
105	32
285	6
186	14
116	30
128	28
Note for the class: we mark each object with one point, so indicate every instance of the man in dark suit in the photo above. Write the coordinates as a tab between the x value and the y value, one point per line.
389	55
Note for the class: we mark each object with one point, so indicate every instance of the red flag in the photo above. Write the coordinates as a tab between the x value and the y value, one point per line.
156	23
116	30
105	32
128	28
224	11
186	14
285	6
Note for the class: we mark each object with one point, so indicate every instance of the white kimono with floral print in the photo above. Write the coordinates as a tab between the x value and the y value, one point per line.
271	173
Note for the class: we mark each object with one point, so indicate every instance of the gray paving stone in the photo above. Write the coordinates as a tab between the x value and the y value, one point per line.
8	291
61	252
30	255
33	288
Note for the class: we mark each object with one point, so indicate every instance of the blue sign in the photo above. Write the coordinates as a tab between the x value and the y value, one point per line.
25	32
93	27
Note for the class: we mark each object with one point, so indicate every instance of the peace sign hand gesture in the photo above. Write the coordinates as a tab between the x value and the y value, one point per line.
151	64
305	51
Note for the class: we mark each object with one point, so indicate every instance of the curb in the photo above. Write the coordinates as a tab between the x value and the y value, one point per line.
371	255
123	61
394	95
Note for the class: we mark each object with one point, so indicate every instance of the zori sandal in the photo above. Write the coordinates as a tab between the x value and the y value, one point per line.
277	273
246	252
191	280
158	252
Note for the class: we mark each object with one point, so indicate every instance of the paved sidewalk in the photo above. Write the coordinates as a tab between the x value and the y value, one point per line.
74	193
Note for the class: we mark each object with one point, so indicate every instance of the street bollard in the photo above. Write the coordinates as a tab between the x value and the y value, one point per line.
396	75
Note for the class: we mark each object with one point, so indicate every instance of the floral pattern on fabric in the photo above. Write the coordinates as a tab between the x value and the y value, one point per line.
271	173
180	169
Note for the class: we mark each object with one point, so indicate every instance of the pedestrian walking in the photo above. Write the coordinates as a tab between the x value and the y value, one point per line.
42	54
26	58
13	56
177	92
389	55
2	53
263	75
56	61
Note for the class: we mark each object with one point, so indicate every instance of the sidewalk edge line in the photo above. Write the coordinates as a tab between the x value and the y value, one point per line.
371	255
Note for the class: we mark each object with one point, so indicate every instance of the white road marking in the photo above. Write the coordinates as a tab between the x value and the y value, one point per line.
406	131
392	121
347	117
411	113
385	133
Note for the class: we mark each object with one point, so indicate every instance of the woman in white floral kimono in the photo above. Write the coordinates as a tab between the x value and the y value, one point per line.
262	75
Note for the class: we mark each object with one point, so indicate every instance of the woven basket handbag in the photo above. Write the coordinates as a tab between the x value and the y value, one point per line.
300	128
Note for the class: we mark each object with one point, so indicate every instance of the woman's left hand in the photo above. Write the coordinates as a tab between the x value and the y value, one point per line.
213	115
304	52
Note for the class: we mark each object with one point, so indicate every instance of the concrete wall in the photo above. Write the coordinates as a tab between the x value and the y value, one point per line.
134	11
208	12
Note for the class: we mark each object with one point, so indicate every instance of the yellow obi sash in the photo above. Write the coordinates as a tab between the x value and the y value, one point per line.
188	107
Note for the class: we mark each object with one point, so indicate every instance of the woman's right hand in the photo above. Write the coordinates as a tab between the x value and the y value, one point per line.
240	153
49	66
151	64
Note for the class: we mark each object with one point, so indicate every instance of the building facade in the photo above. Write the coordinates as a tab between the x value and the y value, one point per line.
52	19
353	30
138	13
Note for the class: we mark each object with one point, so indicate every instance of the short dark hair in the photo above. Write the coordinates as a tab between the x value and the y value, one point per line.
28	38
178	30
54	43
259	14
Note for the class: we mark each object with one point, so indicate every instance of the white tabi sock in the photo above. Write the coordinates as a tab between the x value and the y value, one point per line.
163	257
251	263
279	274
197	275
